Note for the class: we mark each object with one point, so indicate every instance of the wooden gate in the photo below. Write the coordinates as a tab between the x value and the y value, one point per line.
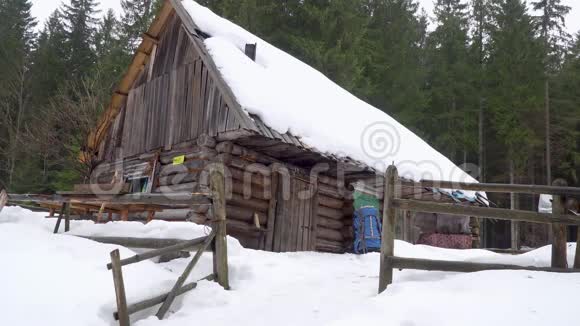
294	224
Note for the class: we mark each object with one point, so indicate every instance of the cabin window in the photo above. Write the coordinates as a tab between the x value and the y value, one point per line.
138	184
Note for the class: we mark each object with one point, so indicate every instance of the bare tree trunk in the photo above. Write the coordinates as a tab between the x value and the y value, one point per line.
515	234
481	142
15	140
548	144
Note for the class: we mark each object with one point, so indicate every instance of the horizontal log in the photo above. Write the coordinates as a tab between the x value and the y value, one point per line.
200	154
329	234
329	181
330	246
496	187
237	162
206	141
330	202
485	212
144	243
252	203
329	223
162	251
348	232
244	227
163	199
330	213
252	190
237	150
465	267
330	191
188	187
244	214
105	189
187	167
179	178
198	218
256	178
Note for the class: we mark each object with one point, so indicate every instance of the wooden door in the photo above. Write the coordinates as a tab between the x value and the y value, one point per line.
294	221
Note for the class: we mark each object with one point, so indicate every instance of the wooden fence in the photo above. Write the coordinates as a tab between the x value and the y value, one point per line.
558	219
216	240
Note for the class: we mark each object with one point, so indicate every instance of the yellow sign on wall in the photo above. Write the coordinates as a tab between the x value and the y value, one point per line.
178	160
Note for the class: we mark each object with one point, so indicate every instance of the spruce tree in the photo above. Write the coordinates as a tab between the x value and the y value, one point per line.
16	45
551	25
50	60
136	18
480	12
112	60
450	81
80	22
395	64
514	76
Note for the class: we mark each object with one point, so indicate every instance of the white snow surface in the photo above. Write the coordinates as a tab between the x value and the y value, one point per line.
49	279
289	95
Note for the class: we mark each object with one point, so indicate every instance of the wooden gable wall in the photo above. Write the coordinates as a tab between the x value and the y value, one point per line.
174	100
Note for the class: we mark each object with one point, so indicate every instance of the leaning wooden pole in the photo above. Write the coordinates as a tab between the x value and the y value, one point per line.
60	216
122	311
220	248
559	257
388	232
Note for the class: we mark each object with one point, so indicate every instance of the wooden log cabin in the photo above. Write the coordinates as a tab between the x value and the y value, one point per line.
174	114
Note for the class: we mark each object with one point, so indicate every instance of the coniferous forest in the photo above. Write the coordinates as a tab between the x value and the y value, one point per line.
494	83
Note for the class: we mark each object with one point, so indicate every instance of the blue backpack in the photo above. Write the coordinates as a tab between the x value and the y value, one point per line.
367	230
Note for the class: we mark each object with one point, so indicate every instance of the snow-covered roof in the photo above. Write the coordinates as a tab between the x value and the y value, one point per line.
291	97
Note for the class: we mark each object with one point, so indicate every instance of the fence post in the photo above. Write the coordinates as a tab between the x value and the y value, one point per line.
60	216
577	254
122	312
559	259
220	249
388	232
67	218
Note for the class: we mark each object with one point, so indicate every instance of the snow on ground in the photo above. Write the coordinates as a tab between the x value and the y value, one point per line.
59	279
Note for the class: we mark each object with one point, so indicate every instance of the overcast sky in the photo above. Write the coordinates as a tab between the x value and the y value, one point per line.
43	8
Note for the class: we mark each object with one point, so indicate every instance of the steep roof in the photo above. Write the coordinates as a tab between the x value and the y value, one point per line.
292	98
282	98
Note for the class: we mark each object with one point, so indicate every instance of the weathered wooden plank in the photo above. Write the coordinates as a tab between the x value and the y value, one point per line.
388	231
559	257
269	245
485	212
465	267
121	298
220	248
182	245
496	187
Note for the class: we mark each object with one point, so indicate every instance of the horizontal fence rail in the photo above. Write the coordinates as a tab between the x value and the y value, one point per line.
495	187
159	252
557	219
485	212
465	267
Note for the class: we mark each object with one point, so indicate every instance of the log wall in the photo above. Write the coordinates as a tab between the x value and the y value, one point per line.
248	192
